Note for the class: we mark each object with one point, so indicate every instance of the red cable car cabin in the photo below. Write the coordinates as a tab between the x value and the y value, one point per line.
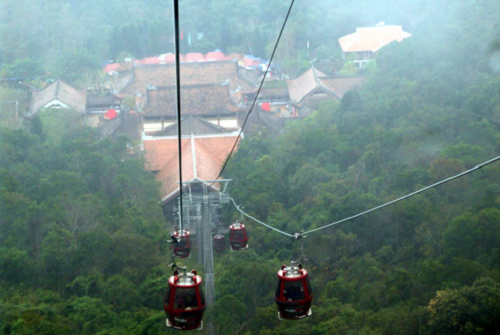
182	248
219	243
293	293
184	301
238	237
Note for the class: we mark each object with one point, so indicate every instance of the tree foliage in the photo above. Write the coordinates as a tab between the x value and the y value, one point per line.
81	232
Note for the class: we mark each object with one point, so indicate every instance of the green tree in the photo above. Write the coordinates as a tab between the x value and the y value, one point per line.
470	310
23	69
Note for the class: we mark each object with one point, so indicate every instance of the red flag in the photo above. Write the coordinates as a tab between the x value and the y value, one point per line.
266	106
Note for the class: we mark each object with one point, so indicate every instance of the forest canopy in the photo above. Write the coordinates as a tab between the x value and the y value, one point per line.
82	237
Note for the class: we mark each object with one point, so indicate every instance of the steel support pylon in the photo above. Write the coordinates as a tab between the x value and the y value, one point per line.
208	250
202	212
208	257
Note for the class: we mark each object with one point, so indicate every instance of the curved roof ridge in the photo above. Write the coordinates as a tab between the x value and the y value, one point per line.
314	74
58	85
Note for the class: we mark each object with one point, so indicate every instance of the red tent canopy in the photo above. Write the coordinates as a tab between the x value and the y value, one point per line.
148	60
194	57
266	106
215	56
110	114
170	58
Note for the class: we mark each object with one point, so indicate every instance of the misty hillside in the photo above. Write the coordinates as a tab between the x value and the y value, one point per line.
82	229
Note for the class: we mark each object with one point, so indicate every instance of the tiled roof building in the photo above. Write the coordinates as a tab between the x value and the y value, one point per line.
194	57
192	73
342	84
202	159
191	124
372	39
313	86
58	95
211	99
306	85
365	42
211	89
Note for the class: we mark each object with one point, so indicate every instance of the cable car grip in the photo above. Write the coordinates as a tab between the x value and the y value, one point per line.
174	239
299	235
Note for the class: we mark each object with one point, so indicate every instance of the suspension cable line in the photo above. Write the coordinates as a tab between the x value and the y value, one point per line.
302	233
258	91
178	98
262	223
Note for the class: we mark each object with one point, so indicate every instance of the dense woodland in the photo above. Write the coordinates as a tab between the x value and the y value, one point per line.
82	238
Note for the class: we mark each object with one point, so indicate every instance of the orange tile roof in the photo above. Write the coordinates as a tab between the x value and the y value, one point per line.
372	38
111	67
209	155
169	175
220	146
158	152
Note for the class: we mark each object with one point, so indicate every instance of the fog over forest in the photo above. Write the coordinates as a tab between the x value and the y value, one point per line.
363	103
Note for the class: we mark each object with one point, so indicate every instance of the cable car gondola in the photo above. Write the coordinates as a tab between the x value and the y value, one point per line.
293	293
182	247
238	237
219	243
184	301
